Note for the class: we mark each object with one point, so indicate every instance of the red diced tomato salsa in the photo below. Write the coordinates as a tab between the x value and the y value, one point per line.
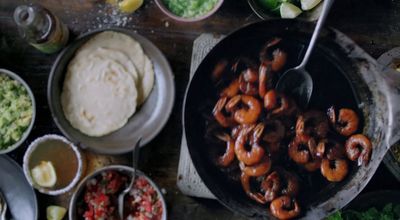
101	193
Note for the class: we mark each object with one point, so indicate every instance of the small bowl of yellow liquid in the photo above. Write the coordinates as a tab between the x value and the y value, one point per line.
53	165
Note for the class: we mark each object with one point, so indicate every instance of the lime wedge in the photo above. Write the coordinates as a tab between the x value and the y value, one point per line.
289	10
55	212
309	4
129	6
44	174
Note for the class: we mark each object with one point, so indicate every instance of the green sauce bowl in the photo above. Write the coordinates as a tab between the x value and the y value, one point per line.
169	13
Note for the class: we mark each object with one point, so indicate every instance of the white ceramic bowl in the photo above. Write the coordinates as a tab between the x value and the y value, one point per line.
29	128
34	145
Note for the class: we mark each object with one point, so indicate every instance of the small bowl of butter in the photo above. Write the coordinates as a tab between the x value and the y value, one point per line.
53	165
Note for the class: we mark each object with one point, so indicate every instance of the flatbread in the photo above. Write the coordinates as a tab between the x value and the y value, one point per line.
130	47
99	93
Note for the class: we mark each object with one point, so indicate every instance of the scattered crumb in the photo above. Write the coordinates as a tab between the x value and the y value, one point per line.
166	24
163	191
105	15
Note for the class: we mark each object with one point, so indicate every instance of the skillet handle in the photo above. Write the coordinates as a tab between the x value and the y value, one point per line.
392	79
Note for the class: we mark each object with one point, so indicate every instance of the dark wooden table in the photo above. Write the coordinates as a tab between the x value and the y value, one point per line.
374	25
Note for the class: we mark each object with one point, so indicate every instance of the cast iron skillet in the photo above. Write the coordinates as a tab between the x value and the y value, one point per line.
340	80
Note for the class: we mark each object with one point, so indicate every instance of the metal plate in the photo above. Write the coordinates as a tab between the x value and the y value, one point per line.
119	168
21	198
147	122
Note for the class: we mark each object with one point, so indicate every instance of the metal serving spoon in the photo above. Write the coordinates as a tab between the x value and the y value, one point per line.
121	196
3	207
297	82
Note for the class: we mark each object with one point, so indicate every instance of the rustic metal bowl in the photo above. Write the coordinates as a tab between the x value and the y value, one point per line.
32	97
124	169
166	11
149	118
264	14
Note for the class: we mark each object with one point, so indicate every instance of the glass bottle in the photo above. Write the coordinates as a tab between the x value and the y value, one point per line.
41	28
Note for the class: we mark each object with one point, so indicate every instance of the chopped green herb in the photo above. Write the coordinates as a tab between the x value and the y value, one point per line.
389	212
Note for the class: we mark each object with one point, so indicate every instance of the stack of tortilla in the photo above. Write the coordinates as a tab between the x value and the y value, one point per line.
107	79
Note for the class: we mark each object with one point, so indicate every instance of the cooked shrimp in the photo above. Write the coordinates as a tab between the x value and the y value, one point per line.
331	149
219	69
313	165
227	158
284	207
245	180
223	119
334	170
264	74
247	88
233	104
237	129
290	183
248	157
276	103
359	147
347	122
271	185
299	149
257	170
250	110
278	59
313	123
231	90
250	75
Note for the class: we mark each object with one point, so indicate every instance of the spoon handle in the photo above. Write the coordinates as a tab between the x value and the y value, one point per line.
324	14
135	154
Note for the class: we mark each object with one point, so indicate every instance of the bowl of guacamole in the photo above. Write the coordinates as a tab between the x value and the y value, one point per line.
17	111
189	10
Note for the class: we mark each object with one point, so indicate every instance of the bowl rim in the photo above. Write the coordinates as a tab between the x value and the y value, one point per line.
28	130
123	168
168	74
33	146
169	13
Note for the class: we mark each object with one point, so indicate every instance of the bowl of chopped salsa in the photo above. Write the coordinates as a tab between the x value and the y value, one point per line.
189	10
96	196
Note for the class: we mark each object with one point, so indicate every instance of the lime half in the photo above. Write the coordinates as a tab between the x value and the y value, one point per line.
44	174
55	212
309	4
289	10
129	6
